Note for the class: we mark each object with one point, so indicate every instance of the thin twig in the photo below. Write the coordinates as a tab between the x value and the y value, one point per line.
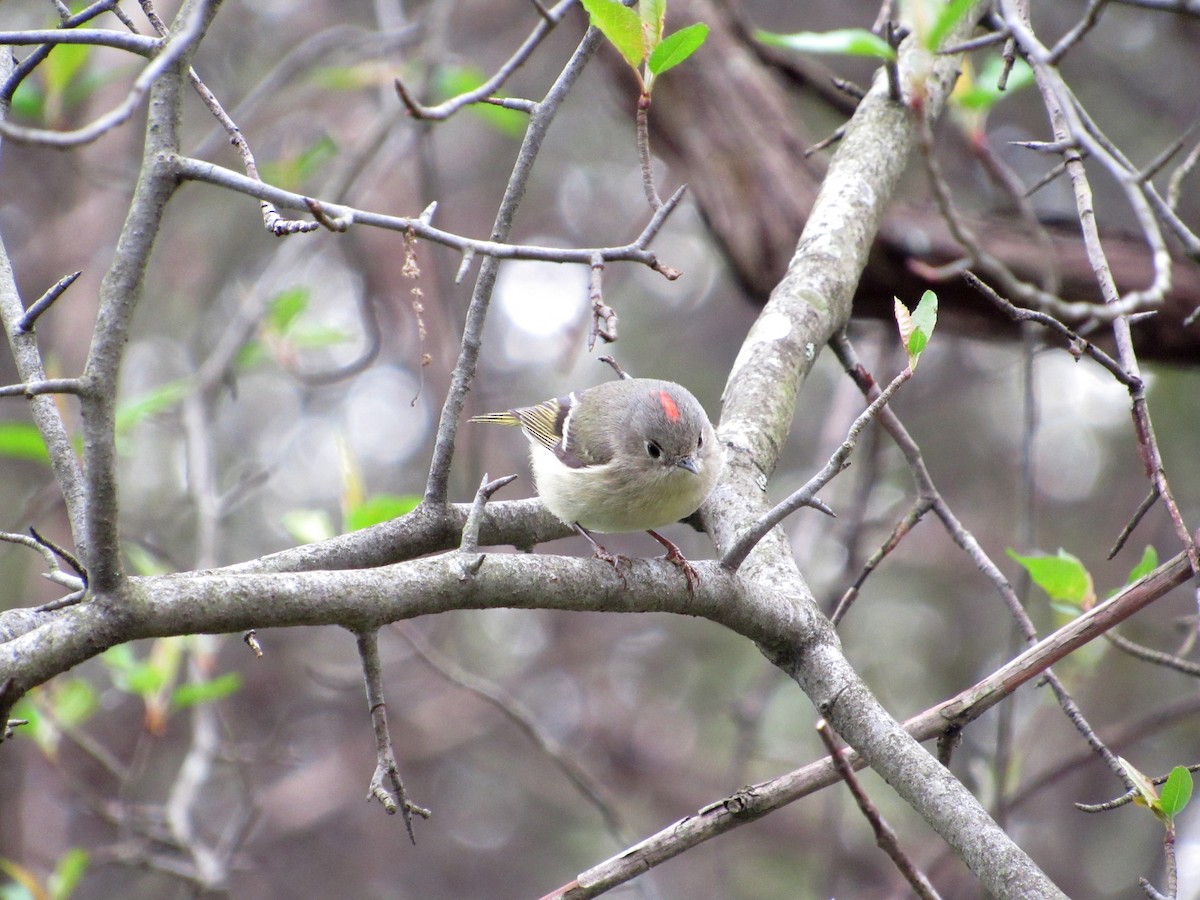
549	19
604	317
470	532
806	495
591	790
44	302
386	786
643	145
1144	507
885	836
437	485
172	50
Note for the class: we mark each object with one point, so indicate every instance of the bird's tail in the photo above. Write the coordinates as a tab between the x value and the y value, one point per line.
503	418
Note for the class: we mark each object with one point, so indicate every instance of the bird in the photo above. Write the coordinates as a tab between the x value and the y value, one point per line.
632	454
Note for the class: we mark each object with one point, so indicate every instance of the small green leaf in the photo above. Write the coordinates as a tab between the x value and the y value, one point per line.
984	92
253	353
1063	577
951	14
846	41
380	508
74	701
621	25
29	101
157	400
294	171
308	525
1146	794
1176	791
455	80
286	306
1147	564
68	873
132	675
21	440
62	66
677	47
308	337
144	562
916	328
206	691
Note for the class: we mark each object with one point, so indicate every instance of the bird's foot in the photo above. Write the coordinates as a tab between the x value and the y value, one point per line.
676	558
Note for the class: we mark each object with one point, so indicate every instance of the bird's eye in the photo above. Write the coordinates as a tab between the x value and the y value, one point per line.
653	449
700	441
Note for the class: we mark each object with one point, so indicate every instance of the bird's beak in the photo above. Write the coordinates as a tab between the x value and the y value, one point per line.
690	464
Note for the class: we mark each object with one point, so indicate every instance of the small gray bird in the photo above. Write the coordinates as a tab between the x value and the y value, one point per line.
633	454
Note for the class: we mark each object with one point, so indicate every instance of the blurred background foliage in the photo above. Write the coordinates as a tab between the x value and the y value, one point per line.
666	714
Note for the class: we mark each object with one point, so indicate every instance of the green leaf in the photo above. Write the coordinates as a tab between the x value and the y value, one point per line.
455	80
846	41
1176	791
159	399
924	319
307	337
292	172
621	25
1062	577
1147	564
653	14
984	92
74	701
132	675
143	562
308	525
677	47
68	873
1146	794
951	14
206	691
380	508
252	353
62	66
29	101
21	440
286	306
916	328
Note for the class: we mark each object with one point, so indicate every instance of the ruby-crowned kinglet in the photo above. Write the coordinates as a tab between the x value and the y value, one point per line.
633	454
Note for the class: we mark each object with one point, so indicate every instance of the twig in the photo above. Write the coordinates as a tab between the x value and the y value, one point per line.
1076	344
34	59
190	169
45	386
755	801
902	528
524	719
464	370
604	317
549	19
44	302
806	495
1144	507
885	836
1076	34
470	532
894	34
643	145
1129	796
173	49
929	493
1155	657
386	786
614	365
